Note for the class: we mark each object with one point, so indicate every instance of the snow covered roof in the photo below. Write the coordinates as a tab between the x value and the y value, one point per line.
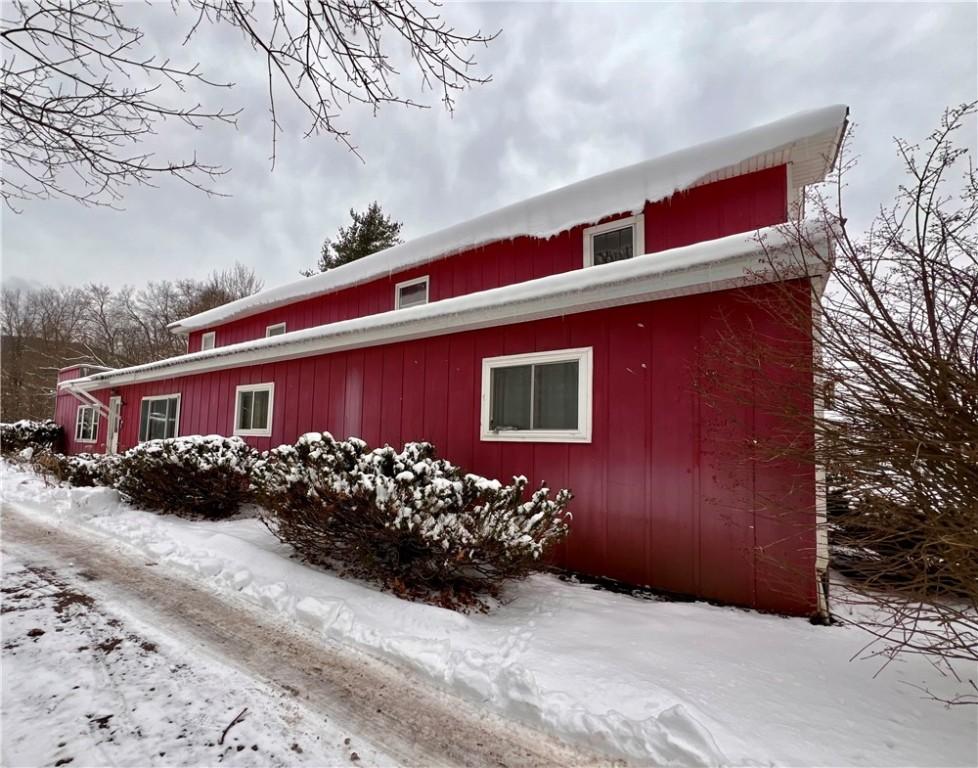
709	266
808	140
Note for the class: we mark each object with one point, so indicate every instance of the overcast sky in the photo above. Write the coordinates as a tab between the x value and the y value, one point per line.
577	89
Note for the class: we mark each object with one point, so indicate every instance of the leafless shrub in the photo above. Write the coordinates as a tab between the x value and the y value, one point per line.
896	367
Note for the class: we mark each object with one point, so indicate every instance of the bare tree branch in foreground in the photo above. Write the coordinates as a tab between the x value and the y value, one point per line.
81	97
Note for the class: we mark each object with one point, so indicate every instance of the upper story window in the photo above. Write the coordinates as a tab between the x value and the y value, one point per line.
159	417
615	241
274	330
540	397
86	424
207	340
411	293
253	409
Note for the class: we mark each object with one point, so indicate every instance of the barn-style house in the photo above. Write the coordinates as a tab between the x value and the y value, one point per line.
556	338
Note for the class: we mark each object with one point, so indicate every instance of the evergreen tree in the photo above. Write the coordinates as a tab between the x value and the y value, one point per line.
371	231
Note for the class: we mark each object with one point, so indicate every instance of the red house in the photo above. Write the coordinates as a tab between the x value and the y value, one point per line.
557	338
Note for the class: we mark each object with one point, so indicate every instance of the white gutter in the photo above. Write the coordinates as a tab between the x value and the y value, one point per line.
704	267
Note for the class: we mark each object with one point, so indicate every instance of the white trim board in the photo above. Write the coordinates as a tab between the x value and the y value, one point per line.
176	416
715	265
583	356
408	284
637	223
265	387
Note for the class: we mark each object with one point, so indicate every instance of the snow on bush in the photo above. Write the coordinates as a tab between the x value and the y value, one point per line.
415	524
19	435
197	476
83	469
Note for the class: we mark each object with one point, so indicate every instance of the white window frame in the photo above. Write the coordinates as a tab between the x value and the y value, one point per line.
78	424
176	418
583	356
270	328
268	387
408	284
210	336
637	224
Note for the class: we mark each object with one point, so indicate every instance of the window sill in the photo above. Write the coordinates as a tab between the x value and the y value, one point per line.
535	436
252	433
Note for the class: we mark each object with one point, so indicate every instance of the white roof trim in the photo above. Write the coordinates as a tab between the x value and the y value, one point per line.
709	266
808	141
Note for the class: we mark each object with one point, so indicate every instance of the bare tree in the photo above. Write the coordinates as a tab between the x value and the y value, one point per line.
81	95
45	329
896	340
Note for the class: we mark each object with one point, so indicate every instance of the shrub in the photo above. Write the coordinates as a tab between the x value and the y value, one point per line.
413	523
19	435
192	476
83	469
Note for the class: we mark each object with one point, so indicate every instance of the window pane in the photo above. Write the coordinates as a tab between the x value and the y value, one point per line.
275	330
259	414
555	395
158	418
510	396
245	403
413	295
612	246
144	420
171	416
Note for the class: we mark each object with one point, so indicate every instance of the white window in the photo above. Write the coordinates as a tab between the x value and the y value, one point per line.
539	397
411	293
253	405
614	241
275	330
86	424
207	340
159	417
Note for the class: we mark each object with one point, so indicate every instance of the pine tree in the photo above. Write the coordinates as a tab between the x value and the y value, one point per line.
371	231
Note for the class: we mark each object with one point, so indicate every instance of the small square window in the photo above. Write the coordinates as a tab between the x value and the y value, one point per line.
253	409
275	330
411	293
207	340
614	241
86	424
544	397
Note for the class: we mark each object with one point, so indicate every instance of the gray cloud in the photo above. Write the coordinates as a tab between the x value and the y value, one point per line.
577	89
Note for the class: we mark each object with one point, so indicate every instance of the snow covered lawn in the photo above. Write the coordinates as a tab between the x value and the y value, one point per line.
659	682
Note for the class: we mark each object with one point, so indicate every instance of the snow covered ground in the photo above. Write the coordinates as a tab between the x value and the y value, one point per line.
653	681
86	685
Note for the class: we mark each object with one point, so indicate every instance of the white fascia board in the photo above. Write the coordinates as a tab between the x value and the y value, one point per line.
701	268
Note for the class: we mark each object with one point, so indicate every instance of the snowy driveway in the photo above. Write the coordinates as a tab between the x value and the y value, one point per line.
109	660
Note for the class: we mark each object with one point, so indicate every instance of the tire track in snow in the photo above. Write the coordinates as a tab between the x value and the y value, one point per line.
419	725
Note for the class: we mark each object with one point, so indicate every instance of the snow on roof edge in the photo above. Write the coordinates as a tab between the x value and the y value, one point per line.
583	202
703	255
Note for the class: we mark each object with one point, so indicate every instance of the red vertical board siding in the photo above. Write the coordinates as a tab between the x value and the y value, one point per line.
665	494
709	211
668	492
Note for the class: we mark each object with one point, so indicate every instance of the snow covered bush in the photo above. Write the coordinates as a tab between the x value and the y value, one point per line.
415	524
18	435
83	469
197	476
